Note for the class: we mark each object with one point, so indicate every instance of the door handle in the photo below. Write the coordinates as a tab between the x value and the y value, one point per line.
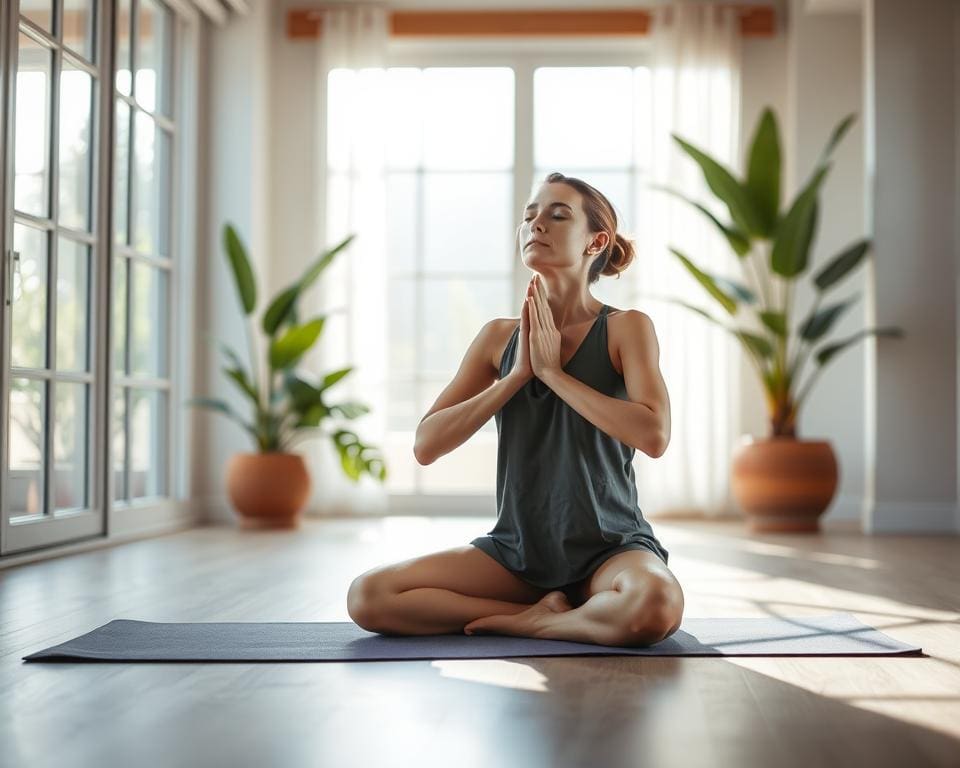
13	267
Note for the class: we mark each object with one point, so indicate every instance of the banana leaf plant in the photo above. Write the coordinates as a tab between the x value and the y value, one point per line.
286	404
759	230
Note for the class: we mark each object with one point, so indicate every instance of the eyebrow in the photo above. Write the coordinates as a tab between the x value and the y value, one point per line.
534	205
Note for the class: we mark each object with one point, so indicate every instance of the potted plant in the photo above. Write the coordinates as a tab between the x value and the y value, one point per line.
781	482
268	488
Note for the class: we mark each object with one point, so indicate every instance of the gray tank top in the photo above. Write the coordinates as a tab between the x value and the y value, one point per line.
566	490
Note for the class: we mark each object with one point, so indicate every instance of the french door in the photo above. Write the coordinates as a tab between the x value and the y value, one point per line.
90	132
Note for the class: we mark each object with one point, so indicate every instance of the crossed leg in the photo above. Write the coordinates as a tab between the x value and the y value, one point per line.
631	599
437	593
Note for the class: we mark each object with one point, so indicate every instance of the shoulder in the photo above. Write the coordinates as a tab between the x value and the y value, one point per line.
629	326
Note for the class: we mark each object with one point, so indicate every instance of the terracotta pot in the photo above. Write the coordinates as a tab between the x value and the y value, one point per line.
268	490
784	484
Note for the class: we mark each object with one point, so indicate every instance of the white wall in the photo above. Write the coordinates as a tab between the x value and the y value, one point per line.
911	154
825	83
237	152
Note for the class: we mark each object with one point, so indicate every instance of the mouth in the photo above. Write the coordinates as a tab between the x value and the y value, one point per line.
535	242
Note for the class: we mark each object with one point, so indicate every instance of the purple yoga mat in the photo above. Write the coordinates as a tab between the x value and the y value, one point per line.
126	640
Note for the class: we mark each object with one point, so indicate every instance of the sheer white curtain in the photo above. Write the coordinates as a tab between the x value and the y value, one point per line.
695	93
353	125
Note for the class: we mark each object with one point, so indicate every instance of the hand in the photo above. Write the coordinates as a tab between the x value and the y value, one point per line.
544	336
521	366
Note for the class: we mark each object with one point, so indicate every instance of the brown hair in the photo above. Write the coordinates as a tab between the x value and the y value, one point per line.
601	217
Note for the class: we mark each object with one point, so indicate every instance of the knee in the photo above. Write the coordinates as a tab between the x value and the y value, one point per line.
365	598
652	616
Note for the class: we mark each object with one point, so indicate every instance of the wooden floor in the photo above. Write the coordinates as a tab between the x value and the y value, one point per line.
601	712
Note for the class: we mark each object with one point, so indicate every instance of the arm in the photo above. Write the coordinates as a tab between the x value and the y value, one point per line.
469	400
442	431
643	421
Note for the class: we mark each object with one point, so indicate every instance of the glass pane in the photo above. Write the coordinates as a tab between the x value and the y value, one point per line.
470	225
148	305
121	175
118	306
118	444
78	26
76	93
401	309
25	494
154	54
151	146
73	302
402	208
123	65
70	429
32	185
148	439
603	139
642	99
405	107
468	118
456	310
29	311
355	103
40	12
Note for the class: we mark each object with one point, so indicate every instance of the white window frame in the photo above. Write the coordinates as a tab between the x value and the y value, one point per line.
524	56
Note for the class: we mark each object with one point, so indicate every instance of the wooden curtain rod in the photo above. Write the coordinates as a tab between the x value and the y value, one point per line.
755	21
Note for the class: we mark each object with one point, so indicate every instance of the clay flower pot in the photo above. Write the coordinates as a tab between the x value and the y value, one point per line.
784	484
268	490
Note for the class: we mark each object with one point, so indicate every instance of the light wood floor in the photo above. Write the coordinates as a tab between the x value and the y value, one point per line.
555	711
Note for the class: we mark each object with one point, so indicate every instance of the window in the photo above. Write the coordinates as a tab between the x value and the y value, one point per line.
522	116
143	258
92	245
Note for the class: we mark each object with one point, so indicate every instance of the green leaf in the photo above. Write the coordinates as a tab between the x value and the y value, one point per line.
816	326
842	127
290	347
303	394
350	410
763	172
795	233
707	282
728	189
312	416
776	322
825	353
739	242
733	288
841	264
751	340
279	309
333	377
239	376
242	273
283	308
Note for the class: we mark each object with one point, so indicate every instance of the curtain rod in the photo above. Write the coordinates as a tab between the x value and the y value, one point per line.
755	21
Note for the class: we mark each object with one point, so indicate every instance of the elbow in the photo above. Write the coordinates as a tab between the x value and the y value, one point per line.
659	446
420	457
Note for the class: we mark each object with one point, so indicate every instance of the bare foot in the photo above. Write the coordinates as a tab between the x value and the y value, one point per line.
528	623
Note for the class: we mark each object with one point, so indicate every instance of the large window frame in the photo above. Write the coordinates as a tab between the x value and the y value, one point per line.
103	516
523	56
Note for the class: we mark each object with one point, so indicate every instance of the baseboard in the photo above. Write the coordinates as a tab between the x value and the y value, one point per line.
911	517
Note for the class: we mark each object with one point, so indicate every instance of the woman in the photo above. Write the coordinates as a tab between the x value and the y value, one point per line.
575	387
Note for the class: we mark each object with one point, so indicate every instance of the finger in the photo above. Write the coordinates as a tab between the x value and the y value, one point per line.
547	315
541	310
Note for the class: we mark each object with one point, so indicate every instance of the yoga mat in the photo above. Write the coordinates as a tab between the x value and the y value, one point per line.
837	634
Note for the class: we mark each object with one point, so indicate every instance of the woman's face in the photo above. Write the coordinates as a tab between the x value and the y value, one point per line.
554	229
